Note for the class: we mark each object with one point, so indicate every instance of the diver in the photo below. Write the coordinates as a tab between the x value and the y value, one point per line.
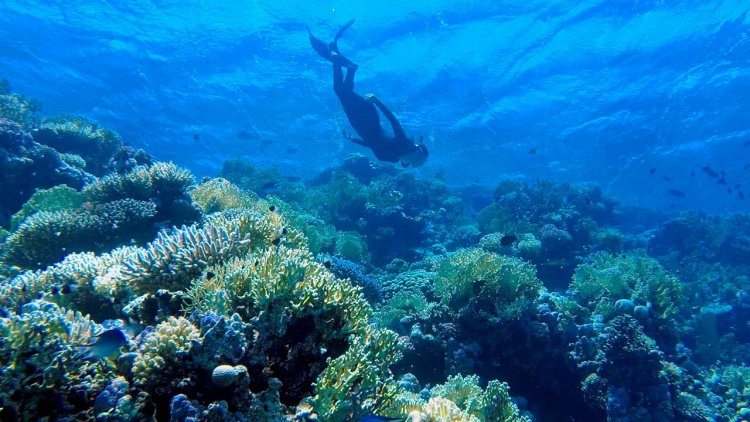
362	112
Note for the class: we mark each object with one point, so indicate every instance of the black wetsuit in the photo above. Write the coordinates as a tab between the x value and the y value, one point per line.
364	118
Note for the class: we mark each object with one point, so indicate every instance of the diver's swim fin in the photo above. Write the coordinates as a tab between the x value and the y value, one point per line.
343	29
319	46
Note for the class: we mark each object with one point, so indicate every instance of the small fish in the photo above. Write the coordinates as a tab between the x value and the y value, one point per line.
741	195
105	344
722	181
692	174
272	208
508	239
268	187
652	171
196	137
709	171
747	166
729	190
532	151
245	135
746	144
667	178
676	192
291	150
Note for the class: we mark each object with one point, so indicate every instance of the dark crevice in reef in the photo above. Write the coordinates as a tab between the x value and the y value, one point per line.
297	358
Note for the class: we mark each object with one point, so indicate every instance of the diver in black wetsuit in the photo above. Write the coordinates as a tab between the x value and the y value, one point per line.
363	114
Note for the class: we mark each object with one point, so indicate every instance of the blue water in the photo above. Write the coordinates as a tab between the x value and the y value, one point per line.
601	91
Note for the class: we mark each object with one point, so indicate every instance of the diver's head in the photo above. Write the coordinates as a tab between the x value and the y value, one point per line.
417	156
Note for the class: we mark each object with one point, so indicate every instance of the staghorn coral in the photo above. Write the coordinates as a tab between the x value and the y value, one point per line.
47	236
56	198
174	259
277	283
509	283
73	276
76	135
43	375
605	278
165	181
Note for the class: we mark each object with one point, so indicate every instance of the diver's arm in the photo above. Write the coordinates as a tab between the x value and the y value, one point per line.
398	131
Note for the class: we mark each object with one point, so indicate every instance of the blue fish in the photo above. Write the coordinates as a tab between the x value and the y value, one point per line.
105	344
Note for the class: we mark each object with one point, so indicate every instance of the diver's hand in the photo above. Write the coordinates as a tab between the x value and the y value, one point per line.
371	98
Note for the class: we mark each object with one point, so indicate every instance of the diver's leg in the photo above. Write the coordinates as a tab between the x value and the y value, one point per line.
338	79
349	81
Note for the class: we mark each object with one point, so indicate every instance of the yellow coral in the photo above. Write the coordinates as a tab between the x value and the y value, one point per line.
160	351
510	282
443	410
219	195
361	375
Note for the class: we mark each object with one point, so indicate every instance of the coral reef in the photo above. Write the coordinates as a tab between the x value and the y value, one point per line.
28	165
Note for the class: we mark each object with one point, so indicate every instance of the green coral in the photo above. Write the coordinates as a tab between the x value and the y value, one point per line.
352	247
606	278
173	260
18	109
56	198
165	181
509	283
277	283
43	374
461	399
93	144
47	236
359	381
220	195
160	361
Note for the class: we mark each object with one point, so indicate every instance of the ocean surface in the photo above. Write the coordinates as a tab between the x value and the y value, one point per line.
601	91
191	228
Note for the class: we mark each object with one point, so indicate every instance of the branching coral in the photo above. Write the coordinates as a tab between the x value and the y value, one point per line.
219	195
160	366
165	181
174	259
605	278
510	283
359	381
54	199
46	237
76	135
17	108
278	283
43	374
461	399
